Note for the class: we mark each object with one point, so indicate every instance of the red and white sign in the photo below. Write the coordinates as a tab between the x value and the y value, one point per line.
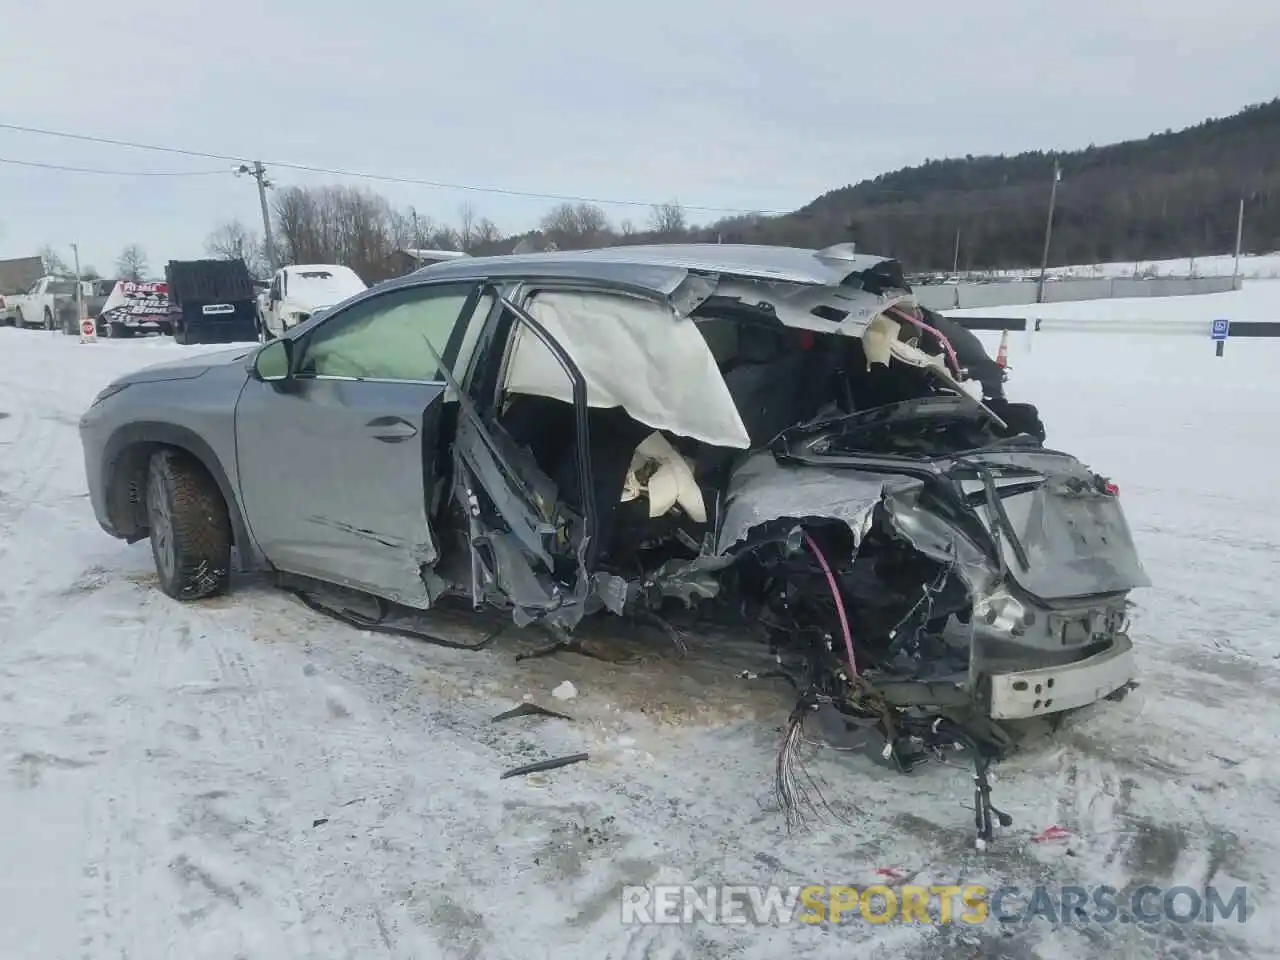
137	304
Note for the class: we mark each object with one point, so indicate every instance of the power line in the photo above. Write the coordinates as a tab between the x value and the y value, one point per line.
363	175
113	173
86	138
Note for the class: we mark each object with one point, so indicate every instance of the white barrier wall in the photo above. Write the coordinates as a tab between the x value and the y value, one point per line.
1013	293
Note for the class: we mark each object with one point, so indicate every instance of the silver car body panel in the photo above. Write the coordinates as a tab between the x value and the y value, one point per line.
328	479
662	268
332	481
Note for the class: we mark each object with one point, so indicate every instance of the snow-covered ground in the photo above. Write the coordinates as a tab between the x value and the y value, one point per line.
1255	300
245	778
1262	266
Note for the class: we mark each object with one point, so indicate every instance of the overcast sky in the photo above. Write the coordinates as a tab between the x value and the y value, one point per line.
717	103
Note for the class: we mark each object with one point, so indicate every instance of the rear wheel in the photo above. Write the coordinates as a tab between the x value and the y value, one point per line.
18	319
190	529
48	319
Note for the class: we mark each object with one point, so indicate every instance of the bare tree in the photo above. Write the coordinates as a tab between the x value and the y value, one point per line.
53	262
576	226
338	224
132	263
234	241
467	226
486	231
668	220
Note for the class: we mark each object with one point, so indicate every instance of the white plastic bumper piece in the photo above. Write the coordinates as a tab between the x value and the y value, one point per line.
1033	693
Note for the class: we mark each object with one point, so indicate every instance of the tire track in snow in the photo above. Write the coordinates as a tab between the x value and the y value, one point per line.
42	452
270	776
126	806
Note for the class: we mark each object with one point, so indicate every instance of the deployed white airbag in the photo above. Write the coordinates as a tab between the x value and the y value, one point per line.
661	474
633	353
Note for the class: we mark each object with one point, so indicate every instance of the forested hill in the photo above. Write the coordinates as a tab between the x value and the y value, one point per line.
1171	194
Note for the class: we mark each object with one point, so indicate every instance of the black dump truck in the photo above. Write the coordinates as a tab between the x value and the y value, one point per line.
211	301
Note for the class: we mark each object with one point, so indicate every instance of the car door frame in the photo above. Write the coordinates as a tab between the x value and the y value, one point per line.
428	444
505	564
481	385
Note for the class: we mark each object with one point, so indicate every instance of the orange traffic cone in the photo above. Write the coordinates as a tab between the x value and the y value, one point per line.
1002	355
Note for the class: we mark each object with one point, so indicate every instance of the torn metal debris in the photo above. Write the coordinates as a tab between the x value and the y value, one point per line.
543	765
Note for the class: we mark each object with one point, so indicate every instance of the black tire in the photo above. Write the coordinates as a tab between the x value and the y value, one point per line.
18	320
48	319
190	529
180	335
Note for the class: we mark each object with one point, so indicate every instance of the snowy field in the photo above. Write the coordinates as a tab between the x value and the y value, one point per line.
1256	300
243	778
1262	266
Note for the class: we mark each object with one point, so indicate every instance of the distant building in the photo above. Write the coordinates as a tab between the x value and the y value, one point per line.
20	274
532	242
407	260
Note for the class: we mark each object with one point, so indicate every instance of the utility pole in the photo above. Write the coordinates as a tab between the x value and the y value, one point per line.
955	260
75	253
1235	275
259	173
1048	231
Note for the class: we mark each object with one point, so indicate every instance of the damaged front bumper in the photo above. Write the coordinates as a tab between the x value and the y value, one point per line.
1020	694
1027	614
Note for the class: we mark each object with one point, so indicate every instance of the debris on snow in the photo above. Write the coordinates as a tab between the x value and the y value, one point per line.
1053	834
529	709
542	765
566	691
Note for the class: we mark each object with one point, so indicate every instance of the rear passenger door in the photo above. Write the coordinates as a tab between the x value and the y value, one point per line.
528	549
336	463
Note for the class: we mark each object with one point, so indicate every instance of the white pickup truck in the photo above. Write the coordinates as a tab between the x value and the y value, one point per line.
39	306
298	291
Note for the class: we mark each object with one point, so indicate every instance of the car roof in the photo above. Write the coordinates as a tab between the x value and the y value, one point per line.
663	267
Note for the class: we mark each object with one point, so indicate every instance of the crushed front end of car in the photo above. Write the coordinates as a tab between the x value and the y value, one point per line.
814	459
925	572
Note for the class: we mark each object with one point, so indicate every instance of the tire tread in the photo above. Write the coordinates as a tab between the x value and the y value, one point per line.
201	528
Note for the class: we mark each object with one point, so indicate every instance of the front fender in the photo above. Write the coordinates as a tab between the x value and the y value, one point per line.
120	464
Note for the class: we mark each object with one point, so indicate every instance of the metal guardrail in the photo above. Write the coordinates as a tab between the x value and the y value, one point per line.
1239	328
1008	293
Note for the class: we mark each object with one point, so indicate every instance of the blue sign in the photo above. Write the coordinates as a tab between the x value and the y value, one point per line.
1221	330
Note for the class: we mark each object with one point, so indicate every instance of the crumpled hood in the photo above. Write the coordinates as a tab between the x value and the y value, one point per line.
187	368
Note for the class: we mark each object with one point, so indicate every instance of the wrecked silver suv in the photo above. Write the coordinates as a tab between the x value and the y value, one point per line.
773	431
